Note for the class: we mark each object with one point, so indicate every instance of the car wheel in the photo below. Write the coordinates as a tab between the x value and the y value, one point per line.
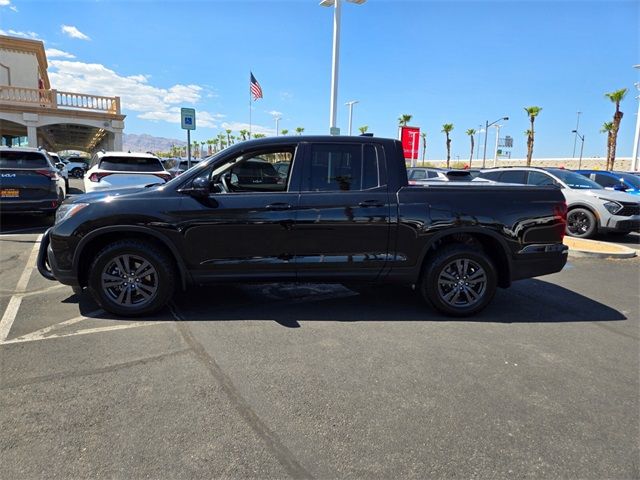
459	280
131	278
66	185
581	223
77	172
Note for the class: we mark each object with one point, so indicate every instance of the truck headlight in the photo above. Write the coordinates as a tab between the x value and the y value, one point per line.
68	211
612	207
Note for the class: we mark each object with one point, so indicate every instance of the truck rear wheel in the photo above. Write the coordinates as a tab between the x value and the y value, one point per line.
459	280
131	278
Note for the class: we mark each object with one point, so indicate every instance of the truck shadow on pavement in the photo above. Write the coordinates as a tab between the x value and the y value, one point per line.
528	301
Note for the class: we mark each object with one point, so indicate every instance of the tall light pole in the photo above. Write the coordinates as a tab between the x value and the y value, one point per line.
495	150
333	111
350	105
575	137
581	147
486	132
277	118
635	163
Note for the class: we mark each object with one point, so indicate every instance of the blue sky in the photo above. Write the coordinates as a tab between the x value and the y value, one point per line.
443	62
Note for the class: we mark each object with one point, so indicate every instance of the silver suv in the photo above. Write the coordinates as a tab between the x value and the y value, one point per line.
591	208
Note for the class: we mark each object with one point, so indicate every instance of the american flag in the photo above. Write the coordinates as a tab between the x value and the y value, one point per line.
256	90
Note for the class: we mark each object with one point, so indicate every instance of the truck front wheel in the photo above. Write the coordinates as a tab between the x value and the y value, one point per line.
459	280
131	278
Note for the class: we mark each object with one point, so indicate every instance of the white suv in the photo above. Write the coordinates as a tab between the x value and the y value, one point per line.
591	208
111	170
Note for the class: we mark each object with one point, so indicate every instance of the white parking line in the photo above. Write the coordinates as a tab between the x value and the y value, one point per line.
10	313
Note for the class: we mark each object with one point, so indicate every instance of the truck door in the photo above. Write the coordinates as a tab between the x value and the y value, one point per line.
246	229
342	227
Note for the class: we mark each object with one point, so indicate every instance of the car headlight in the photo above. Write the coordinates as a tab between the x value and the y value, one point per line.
612	206
68	211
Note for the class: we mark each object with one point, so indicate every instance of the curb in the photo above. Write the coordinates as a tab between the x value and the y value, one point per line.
596	249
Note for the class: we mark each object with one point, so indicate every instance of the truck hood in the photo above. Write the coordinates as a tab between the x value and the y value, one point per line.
100	196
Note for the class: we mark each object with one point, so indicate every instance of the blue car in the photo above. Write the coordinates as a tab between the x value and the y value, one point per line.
621	181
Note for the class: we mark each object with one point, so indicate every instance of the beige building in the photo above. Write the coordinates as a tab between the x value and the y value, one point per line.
34	114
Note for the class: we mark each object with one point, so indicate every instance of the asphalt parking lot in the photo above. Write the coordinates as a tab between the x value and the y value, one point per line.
275	381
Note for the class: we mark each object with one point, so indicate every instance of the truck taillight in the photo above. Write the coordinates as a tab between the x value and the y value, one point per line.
560	213
97	176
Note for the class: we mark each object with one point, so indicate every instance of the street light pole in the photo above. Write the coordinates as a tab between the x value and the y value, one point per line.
495	151
581	147
575	137
333	111
350	105
486	132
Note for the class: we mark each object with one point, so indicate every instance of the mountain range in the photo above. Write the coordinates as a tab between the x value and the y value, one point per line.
148	143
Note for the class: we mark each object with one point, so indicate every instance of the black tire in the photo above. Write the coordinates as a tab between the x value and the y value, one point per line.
581	223
66	185
77	172
111	287
459	280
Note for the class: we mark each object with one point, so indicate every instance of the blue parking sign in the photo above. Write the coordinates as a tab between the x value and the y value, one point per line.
188	118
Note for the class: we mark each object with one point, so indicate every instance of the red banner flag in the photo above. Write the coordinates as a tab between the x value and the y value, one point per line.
410	138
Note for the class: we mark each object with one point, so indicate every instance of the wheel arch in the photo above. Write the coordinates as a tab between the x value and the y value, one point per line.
490	242
92	243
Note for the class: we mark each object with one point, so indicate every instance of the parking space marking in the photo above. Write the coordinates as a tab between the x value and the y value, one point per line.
11	311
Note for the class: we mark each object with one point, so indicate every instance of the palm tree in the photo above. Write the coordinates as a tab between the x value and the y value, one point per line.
299	130
222	142
201	147
215	142
284	131
615	97
471	132
243	134
533	113
210	146
228	130
259	135
607	127
194	148
363	129
446	129
424	145
404	119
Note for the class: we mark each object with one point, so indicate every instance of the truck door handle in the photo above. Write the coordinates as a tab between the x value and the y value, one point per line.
278	206
371	203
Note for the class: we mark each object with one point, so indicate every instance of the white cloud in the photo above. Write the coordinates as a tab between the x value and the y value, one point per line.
32	35
135	92
55	53
4	3
275	113
13	8
73	32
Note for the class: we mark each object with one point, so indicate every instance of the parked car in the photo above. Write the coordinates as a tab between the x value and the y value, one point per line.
592	209
420	175
76	166
182	166
345	214
621	181
62	168
29	182
111	170
282	168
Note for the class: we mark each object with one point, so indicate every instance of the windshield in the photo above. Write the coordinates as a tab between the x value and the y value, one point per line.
632	180
575	180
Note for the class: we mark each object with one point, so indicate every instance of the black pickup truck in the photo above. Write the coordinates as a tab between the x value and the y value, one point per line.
343	213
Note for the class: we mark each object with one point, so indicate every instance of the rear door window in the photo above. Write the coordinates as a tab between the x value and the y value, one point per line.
131	164
539	179
513	176
342	167
23	160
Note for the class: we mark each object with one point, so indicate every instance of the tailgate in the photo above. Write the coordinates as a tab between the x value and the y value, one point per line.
25	184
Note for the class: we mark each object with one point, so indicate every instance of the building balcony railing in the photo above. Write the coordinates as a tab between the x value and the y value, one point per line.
55	99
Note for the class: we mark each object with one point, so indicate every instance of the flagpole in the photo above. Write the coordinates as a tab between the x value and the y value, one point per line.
249	104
